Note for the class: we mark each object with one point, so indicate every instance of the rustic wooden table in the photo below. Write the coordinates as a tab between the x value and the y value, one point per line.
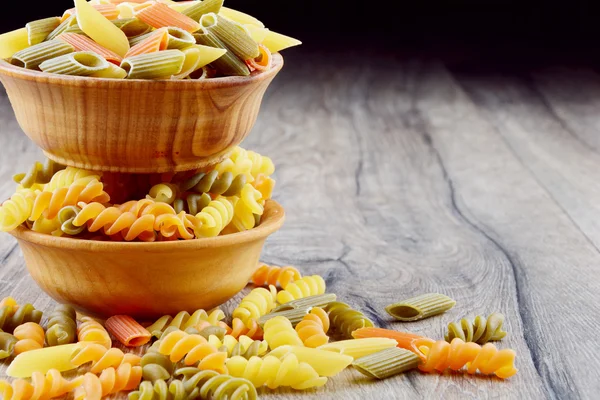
403	177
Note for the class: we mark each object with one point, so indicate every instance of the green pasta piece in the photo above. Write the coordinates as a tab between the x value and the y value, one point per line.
61	327
10	319
7	345
156	366
138	39
74	29
387	363
295	315
180	39
132	27
72	20
196	11
320	300
480	330
38	173
38	31
420	307
83	63
228	64
257	219
192	203
66	216
217	331
346	320
252	351
211	182
235	38
160	65
160	390
32	57
215	386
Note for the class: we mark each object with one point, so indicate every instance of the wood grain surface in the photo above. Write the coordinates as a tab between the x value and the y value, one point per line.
404	177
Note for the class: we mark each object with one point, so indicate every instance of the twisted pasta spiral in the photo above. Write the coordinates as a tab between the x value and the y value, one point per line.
7	345
313	328
31	337
91	330
17	209
481	330
242	346
210	182
111	380
265	185
61	327
11	318
273	372
160	390
280	332
250	328
38	173
257	303
267	275
48	386
346	320
301	288
214	386
156	366
192	349
184	320
213	218
103	358
70	176
247	162
248	206
163	193
193	203
442	355
66	216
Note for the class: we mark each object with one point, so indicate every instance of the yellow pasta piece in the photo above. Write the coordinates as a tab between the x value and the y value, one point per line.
13	42
359	347
43	360
256	32
112	71
276	41
100	29
198	56
240	17
324	362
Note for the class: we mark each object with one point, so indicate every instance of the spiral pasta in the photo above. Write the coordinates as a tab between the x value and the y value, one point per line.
30	336
192	203
179	345
11	318
213	218
250	328
163	193
312	330
61	326
214	386
48	386
184	320
91	330
156	366
247	207
110	381
280	332
456	355
70	176
257	303
267	275
480	330
242	346
103	358
17	209
247	162
160	390
304	287
7	345
265	185
272	372
38	174
212	182
346	320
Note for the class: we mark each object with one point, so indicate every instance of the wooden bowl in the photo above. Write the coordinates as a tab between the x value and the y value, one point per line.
146	280
136	126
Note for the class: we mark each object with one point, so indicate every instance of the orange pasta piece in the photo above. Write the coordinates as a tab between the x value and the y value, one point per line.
157	41
267	275
109	11
404	339
263	61
84	43
91	330
252	329
31	337
161	15
128	331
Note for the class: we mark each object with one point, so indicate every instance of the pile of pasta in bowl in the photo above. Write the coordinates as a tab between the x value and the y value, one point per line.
145	40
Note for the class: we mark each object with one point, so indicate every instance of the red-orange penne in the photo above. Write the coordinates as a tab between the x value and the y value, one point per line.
110	11
157	41
263	61
84	43
127	331
161	15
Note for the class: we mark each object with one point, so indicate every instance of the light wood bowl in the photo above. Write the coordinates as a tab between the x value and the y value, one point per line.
146	280
136	126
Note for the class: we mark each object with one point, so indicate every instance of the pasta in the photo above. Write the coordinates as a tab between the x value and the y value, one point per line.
151	43
30	336
127	331
487	359
32	57
111	380
312	330
130	8
242	346
197	10
114	221
207	330
11	318
179	39
61	326
420	307
159	15
100	29
38	31
240	17
17	209
257	303
256	32
234	38
160	390
264	60
66	216
192	203
246	162
132	27
64	25
102	358
42	386
113	72
276	42
38	174
265	185
192	349
184	320
92	331
13	42
7	345
82	63
304	287
83	43
159	65
43	360
212	385
267	275
346	320
226	184
228	63
480	330
306	303
156	366
248	206
272	372
213	218
404	339
279	332
163	193
387	363
325	363
9	302
249	328
70	176
360	347
108	11
294	315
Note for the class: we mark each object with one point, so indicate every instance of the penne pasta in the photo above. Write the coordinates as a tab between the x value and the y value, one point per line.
113	72
276	41
74	29
100	29
159	15
38	31
257	33
13	42
359	347
199	8
160	65
83	43
232	35
129	9
132	27
127	331
420	307
83	63
263	61
109	11
209	54
203	73
140	38
404	339
33	56
155	41
228	63
179	39
43	360
191	63
64	25
387	363
240	17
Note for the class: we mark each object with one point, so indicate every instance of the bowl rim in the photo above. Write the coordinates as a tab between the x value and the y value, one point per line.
274	217
14	71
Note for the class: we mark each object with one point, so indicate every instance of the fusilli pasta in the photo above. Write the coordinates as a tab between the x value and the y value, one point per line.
38	174
30	336
11	318
312	330
70	176
304	287
215	386
48	386
156	366
61	326
179	345
480	330
212	182
160	390
242	346
346	320
17	209
111	380
184	320
7	345
280	332
250	328
103	358
257	303
247	207
267	275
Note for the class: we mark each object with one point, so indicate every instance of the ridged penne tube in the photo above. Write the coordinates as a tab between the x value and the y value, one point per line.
83	63
130	8
83	43
306	303
387	363
159	15
151	43
38	31
179	38
74	29
113	72
196	11
160	65
232	35
33	56
132	27
228	63
263	62
127	331
64	25
43	360
325	363
240	17
257	33
276	41
420	307
13	42
100	29
359	347
294	315
191	63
